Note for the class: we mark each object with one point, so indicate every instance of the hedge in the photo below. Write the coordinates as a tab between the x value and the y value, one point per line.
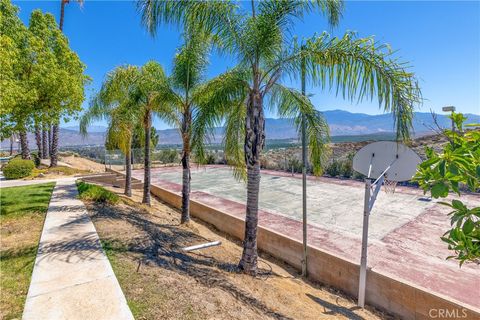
18	168
96	193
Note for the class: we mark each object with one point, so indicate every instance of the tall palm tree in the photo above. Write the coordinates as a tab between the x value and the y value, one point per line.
259	38
181	99
55	128
114	103
148	95
63	3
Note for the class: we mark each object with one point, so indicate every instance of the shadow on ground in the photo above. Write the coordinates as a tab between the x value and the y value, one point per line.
334	309
161	245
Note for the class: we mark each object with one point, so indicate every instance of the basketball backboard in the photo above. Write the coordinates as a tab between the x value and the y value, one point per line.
373	159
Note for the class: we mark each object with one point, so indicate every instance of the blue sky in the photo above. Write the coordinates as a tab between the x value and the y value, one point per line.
441	40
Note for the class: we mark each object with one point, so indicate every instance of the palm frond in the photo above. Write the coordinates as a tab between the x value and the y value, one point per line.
284	10
358	68
234	139
200	15
115	102
96	112
292	104
215	100
191	61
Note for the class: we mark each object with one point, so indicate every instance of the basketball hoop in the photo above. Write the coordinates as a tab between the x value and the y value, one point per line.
389	186
384	163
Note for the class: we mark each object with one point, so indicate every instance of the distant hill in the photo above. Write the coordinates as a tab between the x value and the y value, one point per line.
342	123
95	129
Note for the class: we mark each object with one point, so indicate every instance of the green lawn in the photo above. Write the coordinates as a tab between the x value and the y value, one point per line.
21	220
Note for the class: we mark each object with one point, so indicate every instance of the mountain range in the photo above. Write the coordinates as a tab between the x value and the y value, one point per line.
341	123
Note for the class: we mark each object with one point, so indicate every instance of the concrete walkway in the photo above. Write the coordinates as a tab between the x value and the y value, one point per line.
72	277
20	183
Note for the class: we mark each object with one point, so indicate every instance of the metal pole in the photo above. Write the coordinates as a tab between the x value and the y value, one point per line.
304	180
363	260
453	123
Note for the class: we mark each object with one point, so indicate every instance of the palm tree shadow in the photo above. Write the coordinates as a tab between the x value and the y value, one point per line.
335	309
161	245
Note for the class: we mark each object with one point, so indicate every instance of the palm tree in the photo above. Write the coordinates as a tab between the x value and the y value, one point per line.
38	139
147	96
114	103
54	130
62	10
129	98
266	54
183	95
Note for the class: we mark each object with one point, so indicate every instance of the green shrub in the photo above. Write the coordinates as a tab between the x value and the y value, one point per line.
210	158
18	168
342	168
333	169
445	172
167	156
294	165
96	193
346	169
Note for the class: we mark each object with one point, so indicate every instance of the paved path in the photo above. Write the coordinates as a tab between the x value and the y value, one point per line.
19	183
72	278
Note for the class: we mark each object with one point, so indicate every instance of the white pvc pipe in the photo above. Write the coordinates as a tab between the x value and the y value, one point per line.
202	246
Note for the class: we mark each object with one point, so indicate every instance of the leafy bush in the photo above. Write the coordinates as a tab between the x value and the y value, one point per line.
342	168
18	168
294	164
96	193
166	156
333	169
458	164
346	169
210	158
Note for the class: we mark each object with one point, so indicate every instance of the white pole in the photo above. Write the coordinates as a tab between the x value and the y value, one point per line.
363	261
202	246
304	181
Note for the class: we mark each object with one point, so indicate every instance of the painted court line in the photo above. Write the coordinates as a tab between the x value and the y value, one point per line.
72	277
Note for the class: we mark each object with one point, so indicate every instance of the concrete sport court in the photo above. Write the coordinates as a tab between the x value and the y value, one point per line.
404	232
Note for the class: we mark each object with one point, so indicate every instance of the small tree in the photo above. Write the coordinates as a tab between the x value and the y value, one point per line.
114	103
17	69
182	97
455	168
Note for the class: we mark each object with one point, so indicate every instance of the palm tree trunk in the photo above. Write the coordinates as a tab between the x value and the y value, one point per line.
49	140
38	140
128	170
12	140
45	152
62	13
254	142
147	164
24	144
186	176
54	152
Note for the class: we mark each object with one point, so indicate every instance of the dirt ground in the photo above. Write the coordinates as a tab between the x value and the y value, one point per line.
83	164
161	281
